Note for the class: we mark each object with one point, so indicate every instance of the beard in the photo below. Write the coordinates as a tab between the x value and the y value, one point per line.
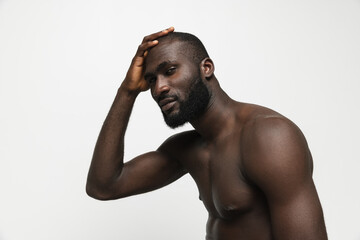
192	107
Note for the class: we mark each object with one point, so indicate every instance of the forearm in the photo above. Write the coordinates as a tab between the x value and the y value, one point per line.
108	155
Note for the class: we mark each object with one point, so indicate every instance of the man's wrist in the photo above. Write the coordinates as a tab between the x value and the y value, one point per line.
125	90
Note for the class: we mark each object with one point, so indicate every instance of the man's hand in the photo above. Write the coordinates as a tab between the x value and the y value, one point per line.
134	81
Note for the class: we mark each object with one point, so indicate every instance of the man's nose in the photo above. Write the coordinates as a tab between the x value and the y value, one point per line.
161	87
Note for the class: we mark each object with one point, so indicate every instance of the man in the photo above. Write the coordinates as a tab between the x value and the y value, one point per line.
252	166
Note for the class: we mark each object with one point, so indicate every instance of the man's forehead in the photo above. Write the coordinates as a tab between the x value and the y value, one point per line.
165	51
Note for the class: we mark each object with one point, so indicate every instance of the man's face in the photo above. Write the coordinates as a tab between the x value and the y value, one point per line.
176	84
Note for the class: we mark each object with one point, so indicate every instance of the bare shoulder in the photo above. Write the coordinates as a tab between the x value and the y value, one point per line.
273	144
179	144
263	124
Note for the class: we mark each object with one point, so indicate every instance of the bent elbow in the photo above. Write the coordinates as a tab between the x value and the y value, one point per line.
98	193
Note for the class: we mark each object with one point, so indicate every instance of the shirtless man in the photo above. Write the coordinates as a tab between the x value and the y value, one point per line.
252	165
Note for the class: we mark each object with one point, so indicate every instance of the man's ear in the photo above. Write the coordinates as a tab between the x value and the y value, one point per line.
207	68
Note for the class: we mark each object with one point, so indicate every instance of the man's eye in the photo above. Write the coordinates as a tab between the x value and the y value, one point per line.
170	71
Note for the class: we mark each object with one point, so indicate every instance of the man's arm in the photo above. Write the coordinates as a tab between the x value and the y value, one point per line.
279	162
109	177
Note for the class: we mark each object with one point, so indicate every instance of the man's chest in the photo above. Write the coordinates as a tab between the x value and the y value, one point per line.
218	174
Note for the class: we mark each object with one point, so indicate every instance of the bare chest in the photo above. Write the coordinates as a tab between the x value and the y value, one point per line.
222	187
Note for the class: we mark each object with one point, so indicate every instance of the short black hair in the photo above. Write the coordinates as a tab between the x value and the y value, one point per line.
195	49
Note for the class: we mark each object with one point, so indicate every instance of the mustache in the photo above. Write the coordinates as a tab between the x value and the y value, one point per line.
164	96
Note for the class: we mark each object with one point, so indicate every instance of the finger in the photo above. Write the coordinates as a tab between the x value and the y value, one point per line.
144	47
158	34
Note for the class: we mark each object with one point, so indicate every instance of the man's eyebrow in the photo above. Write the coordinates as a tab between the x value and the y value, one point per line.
162	65
158	68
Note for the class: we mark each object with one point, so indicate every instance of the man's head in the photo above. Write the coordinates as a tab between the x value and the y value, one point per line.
192	47
176	70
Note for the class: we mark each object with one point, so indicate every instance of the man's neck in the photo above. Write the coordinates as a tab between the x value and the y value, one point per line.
218	119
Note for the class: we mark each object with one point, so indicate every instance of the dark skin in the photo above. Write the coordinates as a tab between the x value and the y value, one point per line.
252	165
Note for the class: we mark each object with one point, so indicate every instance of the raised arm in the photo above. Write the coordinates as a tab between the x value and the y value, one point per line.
109	177
279	162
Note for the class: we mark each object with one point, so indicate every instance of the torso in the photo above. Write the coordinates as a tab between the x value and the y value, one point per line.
237	209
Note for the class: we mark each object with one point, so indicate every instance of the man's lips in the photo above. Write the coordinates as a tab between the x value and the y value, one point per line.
166	103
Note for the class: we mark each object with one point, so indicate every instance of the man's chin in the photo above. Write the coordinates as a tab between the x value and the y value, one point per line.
174	120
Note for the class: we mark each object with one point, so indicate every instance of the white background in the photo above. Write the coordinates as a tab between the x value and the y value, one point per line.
61	63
